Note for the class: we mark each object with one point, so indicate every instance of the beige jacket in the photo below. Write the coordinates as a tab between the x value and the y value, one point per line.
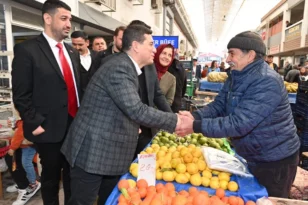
167	85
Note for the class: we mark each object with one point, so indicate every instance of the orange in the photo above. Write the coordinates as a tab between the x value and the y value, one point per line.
250	203
142	183
220	193
233	200
170	186
201	199
123	184
193	191
142	191
240	201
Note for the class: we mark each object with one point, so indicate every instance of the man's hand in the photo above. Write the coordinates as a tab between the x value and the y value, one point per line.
185	127
38	131
11	152
187	114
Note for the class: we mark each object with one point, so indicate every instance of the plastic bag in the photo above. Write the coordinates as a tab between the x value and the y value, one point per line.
264	201
222	161
3	166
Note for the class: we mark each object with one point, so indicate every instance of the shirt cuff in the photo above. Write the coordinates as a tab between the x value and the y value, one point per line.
197	126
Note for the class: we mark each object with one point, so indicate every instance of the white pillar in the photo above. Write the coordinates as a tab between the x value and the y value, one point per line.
286	17
304	24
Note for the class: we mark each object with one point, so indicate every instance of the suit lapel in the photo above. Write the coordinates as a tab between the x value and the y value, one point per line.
49	54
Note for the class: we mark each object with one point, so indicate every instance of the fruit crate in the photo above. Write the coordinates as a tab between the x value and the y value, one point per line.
304	163
303	85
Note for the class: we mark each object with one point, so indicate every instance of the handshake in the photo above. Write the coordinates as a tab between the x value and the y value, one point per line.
184	125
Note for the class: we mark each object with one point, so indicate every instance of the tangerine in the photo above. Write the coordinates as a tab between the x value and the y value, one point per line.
220	193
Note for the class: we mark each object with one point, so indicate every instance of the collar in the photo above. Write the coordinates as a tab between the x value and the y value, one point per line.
52	42
248	68
139	72
87	54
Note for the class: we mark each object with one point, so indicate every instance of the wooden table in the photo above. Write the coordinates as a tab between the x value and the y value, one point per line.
281	201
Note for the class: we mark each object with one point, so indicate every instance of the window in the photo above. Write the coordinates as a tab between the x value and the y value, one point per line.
169	22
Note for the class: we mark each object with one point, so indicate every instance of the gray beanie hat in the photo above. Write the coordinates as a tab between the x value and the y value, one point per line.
248	40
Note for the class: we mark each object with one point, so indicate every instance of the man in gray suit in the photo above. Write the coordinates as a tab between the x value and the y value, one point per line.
104	135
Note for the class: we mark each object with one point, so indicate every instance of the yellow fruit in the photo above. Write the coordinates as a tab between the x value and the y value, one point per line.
132	166
168	157
197	152
134	172
164	148
132	183
181	168
201	165
159	175
143	152
207	168
188	158
214	179
155	146
232	186
215	172
149	150
224	176
160	154
174	173
166	165
183	151
223	184
192	146
195	179
192	168
214	184
160	162
168	176
179	147
176	154
181	178
195	160
188	175
206	181
207	174
175	162
172	149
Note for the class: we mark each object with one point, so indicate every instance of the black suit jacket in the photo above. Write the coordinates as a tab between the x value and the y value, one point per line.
198	72
85	75
39	89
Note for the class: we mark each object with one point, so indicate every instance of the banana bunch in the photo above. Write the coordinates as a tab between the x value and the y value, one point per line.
217	77
291	87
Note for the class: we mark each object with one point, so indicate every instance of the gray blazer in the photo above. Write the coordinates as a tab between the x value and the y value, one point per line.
104	135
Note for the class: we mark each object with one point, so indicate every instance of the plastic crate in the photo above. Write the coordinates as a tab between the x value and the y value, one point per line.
303	85
210	86
292	98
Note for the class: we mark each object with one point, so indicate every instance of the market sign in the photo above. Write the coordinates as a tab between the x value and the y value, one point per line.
173	40
293	32
274	49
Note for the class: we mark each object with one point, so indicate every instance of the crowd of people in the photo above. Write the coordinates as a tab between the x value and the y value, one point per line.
89	112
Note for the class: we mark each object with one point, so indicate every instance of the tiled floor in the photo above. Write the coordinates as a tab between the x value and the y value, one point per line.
9	198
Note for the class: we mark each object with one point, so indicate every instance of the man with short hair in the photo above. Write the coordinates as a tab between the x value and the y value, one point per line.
253	110
270	62
45	85
103	137
99	44
80	42
117	41
293	75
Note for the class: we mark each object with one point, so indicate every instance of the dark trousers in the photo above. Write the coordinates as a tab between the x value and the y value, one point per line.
277	177
19	175
53	164
144	139
85	187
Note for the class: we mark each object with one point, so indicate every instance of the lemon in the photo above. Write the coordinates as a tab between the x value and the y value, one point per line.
132	166
197	152
205	181
181	178
224	176
155	145
184	151
192	168
214	184
149	150
143	152
168	176
215	172
207	174
172	149
174	173
175	162
160	154
159	175
176	154
201	165
179	147
166	165
164	148
192	146
181	168
188	175
195	160
195	179
232	186
214	179
223	184
188	158
134	172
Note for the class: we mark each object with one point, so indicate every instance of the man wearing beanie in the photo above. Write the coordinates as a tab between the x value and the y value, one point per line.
253	110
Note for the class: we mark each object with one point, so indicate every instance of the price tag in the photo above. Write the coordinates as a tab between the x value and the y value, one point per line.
147	168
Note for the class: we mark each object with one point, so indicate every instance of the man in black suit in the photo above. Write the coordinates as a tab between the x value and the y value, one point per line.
80	42
45	84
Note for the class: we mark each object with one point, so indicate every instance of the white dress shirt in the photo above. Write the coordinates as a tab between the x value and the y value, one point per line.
138	70
86	60
55	50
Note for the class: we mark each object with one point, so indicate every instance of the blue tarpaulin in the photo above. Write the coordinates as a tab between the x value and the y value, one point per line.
249	189
209	86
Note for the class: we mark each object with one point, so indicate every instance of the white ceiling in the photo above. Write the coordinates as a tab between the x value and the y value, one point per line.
213	31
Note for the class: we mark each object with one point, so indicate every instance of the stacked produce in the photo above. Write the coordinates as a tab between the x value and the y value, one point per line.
291	87
169	140
217	77
184	163
139	193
